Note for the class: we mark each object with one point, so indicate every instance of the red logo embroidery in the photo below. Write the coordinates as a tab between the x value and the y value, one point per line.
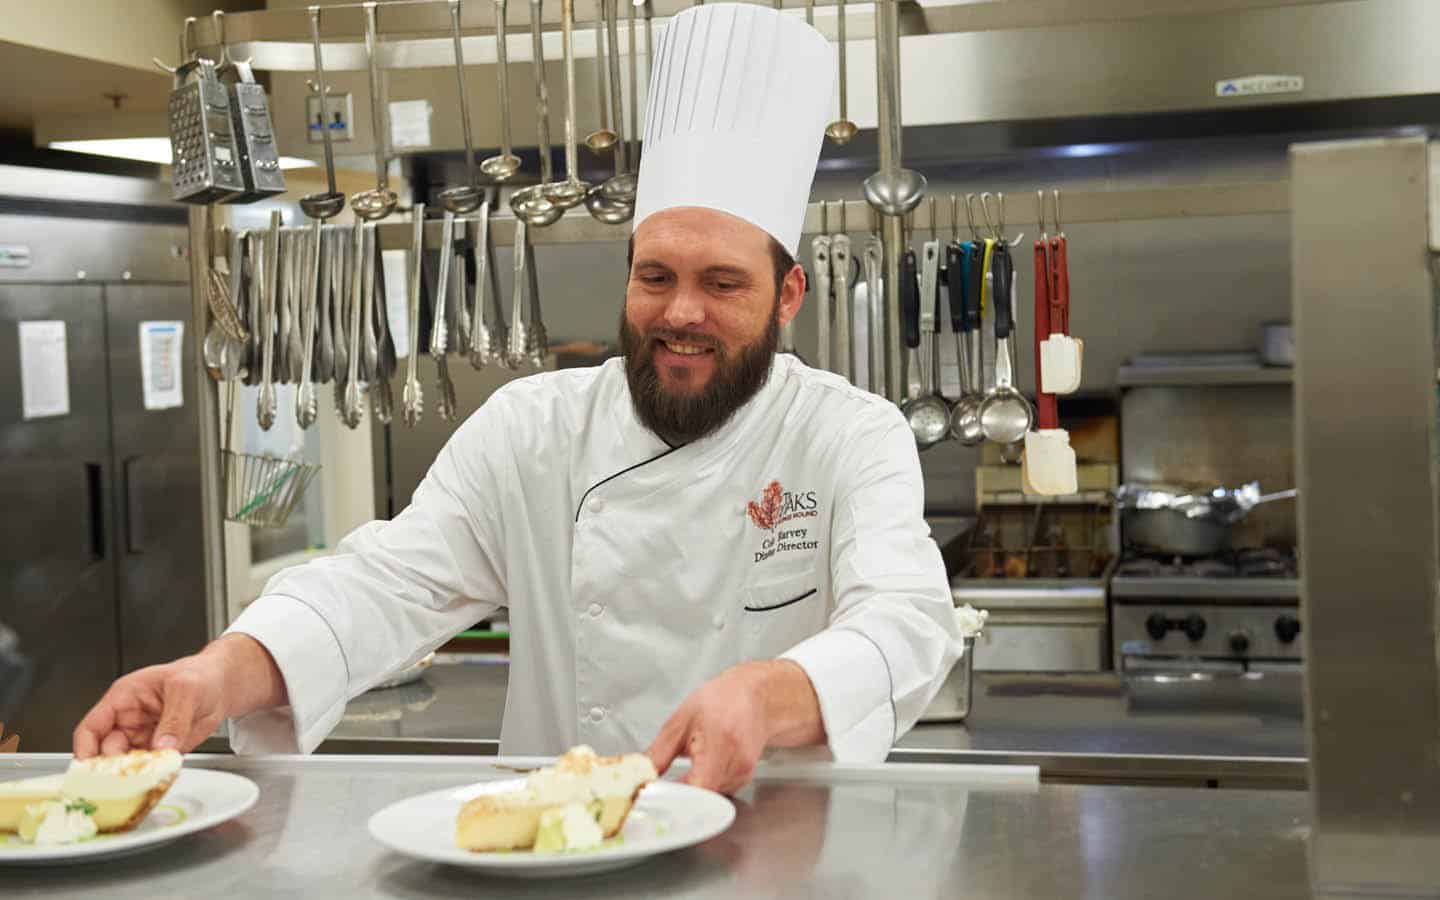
766	513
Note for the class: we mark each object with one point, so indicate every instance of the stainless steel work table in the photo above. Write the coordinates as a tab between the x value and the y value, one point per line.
912	831
1076	728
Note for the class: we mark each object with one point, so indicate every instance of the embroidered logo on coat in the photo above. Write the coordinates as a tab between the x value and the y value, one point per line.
778	506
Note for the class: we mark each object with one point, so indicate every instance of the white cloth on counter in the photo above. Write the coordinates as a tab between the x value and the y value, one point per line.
632	571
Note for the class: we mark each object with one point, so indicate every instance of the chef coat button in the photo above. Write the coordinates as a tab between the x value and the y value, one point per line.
719	622
596	504
595	610
596	714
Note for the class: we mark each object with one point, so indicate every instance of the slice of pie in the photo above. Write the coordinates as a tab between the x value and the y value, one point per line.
604	787
16	795
123	789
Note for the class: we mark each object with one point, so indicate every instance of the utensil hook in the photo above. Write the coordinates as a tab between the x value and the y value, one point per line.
1059	229
970	216
187	53
933	224
954	218
997	225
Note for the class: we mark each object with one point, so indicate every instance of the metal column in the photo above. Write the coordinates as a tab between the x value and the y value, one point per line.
1365	395
207	411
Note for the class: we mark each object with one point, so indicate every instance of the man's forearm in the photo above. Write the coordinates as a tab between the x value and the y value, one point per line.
792	711
252	680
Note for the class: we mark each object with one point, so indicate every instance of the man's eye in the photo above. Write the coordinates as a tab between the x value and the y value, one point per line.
727	285
652	280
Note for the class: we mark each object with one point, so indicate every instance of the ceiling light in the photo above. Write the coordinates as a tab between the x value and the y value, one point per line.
147	149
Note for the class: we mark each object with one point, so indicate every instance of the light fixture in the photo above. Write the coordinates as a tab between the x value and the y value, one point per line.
146	149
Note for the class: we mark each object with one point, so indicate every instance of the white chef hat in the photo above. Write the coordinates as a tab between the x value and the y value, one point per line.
739	98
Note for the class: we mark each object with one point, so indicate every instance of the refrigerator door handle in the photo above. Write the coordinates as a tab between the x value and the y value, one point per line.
134	512
95	530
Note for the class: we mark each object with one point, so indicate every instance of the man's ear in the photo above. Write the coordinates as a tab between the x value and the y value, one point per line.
792	293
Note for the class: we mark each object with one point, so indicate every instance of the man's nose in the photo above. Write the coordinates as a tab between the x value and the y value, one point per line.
685	309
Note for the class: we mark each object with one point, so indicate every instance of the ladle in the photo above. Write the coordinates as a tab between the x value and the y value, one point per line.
379	202
504	166
965	321
842	129
1005	414
463	199
892	191
329	204
619	187
930	416
532	203
602	138
571	191
324	205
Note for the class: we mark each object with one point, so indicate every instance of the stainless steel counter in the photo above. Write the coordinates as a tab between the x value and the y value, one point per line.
1074	727
887	831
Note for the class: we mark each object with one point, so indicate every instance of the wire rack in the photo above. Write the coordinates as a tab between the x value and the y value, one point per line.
261	490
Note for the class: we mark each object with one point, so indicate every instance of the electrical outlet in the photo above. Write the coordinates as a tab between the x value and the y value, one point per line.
339	110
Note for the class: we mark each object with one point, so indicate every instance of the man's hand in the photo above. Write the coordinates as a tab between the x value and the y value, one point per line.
179	704
727	723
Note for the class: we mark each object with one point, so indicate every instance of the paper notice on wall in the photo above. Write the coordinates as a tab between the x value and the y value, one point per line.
44	370
397	298
161	377
409	123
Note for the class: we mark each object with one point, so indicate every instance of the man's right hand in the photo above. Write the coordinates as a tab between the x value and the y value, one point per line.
179	704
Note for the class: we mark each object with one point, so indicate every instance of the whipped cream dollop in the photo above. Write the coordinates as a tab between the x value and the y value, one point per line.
120	777
581	776
569	827
57	822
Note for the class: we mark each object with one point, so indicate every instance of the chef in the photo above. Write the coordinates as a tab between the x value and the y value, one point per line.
705	549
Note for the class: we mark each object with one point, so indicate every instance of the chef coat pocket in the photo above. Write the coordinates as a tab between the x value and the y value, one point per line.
780	613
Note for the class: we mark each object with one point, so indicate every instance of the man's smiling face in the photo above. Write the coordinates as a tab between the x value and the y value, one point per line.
706	297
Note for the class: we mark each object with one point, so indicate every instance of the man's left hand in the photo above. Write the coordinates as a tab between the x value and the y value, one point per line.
726	724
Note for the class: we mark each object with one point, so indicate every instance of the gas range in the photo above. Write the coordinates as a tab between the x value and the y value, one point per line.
1235	611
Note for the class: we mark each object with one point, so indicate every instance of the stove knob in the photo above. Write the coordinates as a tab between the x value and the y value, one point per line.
1287	628
1157	626
1239	643
1194	627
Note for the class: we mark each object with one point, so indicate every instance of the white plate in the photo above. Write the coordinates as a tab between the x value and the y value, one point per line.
666	816
199	799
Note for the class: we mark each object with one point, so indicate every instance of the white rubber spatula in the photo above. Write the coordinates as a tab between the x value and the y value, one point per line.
1061	356
1048	466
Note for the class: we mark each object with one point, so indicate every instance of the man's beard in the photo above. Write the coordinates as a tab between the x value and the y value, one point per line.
682	418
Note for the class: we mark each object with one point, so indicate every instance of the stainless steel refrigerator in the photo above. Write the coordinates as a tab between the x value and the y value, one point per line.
102	568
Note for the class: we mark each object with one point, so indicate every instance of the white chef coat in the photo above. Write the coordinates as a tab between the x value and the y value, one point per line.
634	571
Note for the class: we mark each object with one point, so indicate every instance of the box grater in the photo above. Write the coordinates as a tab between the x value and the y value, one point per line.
206	162
255	137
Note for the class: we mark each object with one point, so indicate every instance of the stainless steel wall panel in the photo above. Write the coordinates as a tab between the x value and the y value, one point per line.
1365	437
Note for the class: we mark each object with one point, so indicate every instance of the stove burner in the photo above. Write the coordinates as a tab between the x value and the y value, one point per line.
1248	562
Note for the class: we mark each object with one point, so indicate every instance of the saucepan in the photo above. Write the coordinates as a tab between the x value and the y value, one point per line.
1168	519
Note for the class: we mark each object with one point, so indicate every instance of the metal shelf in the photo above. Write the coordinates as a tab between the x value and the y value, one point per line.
1202	376
578	227
1022	209
273	37
1132	586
